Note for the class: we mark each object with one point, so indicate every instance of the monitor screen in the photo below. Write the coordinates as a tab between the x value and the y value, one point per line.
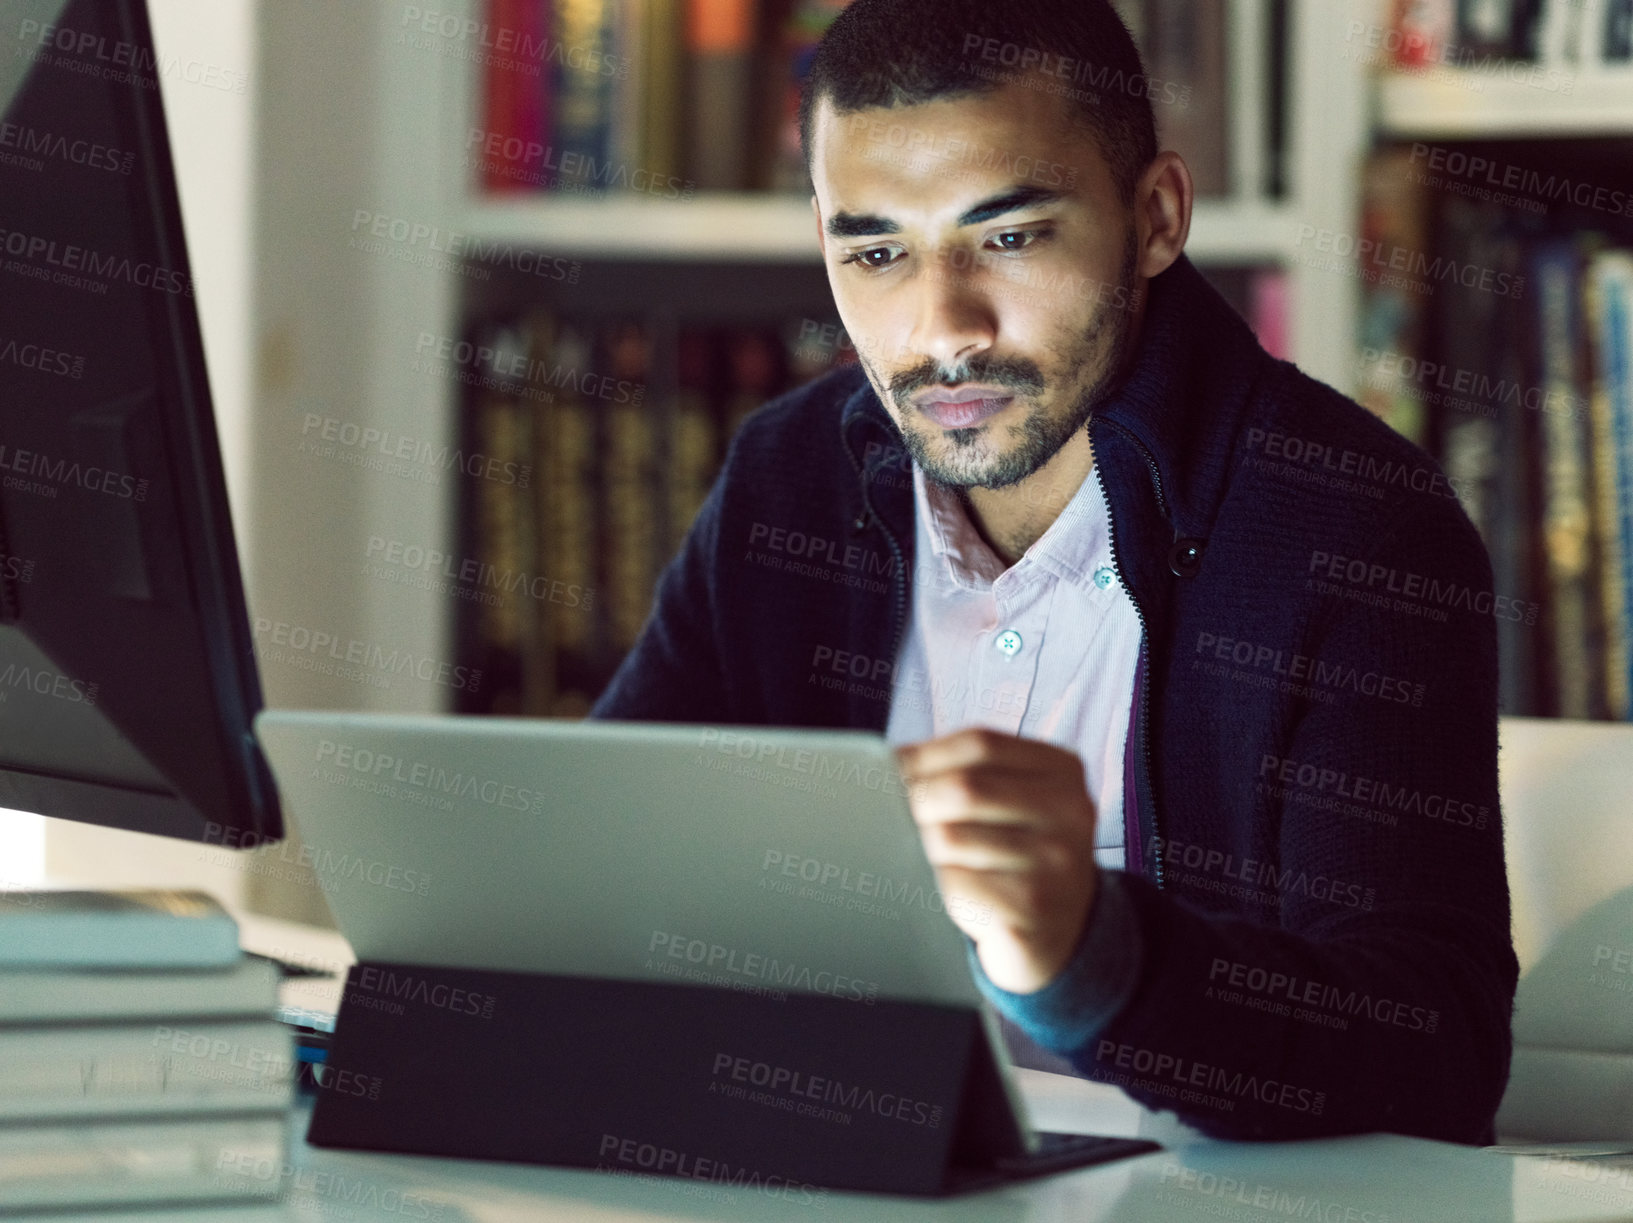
127	677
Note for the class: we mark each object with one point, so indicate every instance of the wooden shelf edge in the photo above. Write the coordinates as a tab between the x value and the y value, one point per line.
773	228
1461	103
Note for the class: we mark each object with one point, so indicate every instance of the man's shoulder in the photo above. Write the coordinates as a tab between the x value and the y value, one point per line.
1305	434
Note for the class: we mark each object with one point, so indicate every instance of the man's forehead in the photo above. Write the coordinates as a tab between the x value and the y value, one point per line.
967	145
1016	108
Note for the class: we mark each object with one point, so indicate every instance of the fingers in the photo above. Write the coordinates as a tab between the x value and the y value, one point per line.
978	745
984	794
985	847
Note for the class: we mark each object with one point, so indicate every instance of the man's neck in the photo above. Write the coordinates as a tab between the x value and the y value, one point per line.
1012	519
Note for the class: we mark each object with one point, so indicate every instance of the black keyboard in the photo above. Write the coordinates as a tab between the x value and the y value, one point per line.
1057	1152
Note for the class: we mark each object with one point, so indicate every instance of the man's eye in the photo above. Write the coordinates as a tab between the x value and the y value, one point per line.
1017	239
874	258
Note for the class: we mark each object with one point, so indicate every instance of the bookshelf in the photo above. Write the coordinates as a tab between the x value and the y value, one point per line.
1295	125
1250	225
1465	104
360	113
1544	469
737	226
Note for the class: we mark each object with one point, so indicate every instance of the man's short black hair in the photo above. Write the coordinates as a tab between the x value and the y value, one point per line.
907	52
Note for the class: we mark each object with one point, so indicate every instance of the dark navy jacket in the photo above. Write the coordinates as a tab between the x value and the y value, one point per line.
1318	906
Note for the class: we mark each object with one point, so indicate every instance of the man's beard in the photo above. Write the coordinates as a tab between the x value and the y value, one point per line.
1039	436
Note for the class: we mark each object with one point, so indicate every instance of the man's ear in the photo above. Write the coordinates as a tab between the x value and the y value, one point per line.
822	238
1163	199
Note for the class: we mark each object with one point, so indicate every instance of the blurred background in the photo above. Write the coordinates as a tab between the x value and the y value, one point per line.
486	285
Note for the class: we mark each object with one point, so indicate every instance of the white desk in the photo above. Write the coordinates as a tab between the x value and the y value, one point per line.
1373	1179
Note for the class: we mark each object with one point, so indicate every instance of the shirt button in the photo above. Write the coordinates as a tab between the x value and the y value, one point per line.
1009	641
1104	577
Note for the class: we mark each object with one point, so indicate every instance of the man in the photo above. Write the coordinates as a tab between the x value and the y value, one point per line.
1115	581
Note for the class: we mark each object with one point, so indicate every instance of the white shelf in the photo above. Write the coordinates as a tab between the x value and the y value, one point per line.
780	228
1227	232
734	226
1449	103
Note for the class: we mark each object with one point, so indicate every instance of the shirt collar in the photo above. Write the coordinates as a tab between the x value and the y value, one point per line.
1076	544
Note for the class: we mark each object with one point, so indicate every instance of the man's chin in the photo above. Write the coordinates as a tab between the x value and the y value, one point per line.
990	474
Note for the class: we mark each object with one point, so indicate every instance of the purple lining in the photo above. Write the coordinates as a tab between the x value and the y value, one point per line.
1133	859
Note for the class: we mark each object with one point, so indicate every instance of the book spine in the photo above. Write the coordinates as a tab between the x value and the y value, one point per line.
695	445
719	35
1423	30
1619	31
1606	312
628	37
1188	46
631	483
584	97
1566	516
1615	276
566	449
503	528
1394	212
663	65
801	34
1515	522
1467	317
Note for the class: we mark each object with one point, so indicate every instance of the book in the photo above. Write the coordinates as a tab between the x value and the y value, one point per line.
1486	26
695	445
41	995
802	32
583	95
1610	310
1465	318
1515	533
151	1068
1269	307
1186	45
517	86
627	49
59	1167
1395	210
498	429
1422	30
117	929
1566	519
662	68
631	486
1618	47
719	71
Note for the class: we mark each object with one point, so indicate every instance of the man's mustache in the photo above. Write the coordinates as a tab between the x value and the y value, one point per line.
1020	376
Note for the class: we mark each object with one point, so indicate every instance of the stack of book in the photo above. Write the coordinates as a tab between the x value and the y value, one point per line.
660	97
139	1062
1471	34
667	98
620	438
1498	333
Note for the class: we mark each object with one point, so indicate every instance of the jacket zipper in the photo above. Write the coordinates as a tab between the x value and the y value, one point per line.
1144	703
900	584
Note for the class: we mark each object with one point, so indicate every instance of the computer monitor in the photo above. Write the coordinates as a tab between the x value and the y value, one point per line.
127	673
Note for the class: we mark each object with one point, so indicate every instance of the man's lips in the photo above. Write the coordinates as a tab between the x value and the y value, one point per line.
964	407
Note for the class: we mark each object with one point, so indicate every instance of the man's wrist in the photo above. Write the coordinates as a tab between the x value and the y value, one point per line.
1096	982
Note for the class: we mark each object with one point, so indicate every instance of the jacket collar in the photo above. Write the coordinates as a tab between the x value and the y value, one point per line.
1180	405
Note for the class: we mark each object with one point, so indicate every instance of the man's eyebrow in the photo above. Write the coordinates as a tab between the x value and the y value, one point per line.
860	225
868	225
1009	201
